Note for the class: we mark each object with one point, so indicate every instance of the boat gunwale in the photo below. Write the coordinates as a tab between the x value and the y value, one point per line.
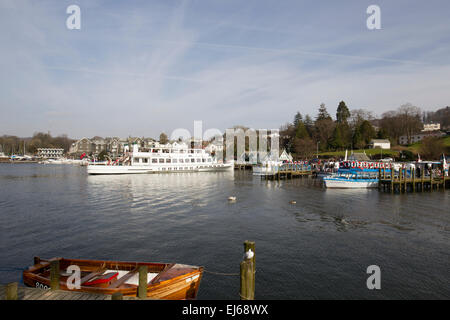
31	275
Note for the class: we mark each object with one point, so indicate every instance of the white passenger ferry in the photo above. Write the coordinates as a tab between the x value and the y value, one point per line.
162	159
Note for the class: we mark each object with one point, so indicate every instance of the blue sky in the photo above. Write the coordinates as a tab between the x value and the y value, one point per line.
141	67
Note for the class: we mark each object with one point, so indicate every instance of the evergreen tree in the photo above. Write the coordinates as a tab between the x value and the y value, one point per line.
298	118
337	141
358	140
301	131
342	113
309	124
323	113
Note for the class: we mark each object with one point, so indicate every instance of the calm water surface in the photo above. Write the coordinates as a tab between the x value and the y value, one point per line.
318	248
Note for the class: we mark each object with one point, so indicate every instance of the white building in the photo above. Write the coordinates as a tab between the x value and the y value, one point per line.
431	127
380	143
50	153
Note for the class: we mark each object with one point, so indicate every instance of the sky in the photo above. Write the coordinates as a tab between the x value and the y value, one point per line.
138	68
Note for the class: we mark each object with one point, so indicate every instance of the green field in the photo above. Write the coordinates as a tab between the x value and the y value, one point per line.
369	152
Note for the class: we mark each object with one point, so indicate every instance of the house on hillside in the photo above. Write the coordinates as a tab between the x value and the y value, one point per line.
380	143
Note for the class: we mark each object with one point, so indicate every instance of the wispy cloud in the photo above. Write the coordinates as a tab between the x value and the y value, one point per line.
147	67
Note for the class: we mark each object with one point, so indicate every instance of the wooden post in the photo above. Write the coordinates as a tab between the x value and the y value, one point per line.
142	290
11	291
431	179
54	275
379	178
247	275
117	296
413	173
392	179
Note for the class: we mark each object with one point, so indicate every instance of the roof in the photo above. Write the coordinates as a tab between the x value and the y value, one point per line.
380	141
359	157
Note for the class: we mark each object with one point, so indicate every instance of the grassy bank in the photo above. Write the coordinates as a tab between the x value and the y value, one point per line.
372	153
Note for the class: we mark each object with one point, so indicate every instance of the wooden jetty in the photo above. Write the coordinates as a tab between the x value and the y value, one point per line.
13	291
289	171
243	166
405	180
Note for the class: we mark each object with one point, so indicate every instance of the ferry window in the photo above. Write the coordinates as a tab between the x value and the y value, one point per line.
192	160
203	160
175	160
197	151
161	160
198	159
181	160
145	160
137	160
154	160
168	160
209	160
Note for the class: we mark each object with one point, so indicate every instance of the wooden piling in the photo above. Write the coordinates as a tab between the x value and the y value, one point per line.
142	289
247	273
11	291
117	296
54	275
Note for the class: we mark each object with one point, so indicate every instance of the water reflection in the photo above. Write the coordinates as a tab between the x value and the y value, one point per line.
187	218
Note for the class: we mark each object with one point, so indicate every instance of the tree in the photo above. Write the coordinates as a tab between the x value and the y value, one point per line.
342	113
367	131
358	140
432	148
337	141
163	138
309	124
304	148
323	113
301	131
298	118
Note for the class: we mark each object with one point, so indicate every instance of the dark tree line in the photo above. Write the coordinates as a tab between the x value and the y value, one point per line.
15	145
351	129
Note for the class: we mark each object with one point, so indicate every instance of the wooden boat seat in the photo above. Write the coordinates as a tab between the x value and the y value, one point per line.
122	280
92	275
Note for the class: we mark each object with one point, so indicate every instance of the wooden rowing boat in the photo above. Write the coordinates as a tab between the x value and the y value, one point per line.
164	280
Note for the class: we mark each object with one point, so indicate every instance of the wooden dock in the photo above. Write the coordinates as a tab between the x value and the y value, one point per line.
408	181
289	171
14	292
243	166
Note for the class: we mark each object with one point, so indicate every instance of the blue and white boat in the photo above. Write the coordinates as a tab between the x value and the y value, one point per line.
352	178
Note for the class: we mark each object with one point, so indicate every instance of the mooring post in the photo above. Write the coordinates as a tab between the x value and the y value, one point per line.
117	296
54	275
11	291
247	272
142	290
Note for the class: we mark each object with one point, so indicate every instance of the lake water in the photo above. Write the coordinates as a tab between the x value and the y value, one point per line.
318	248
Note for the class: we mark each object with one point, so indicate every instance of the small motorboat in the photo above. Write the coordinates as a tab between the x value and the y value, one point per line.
171	281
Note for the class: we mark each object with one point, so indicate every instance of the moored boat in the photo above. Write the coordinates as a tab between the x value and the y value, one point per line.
161	160
171	281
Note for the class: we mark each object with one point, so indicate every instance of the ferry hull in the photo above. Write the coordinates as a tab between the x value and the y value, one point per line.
135	169
337	183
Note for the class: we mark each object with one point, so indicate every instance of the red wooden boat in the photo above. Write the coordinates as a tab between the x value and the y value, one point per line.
164	280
